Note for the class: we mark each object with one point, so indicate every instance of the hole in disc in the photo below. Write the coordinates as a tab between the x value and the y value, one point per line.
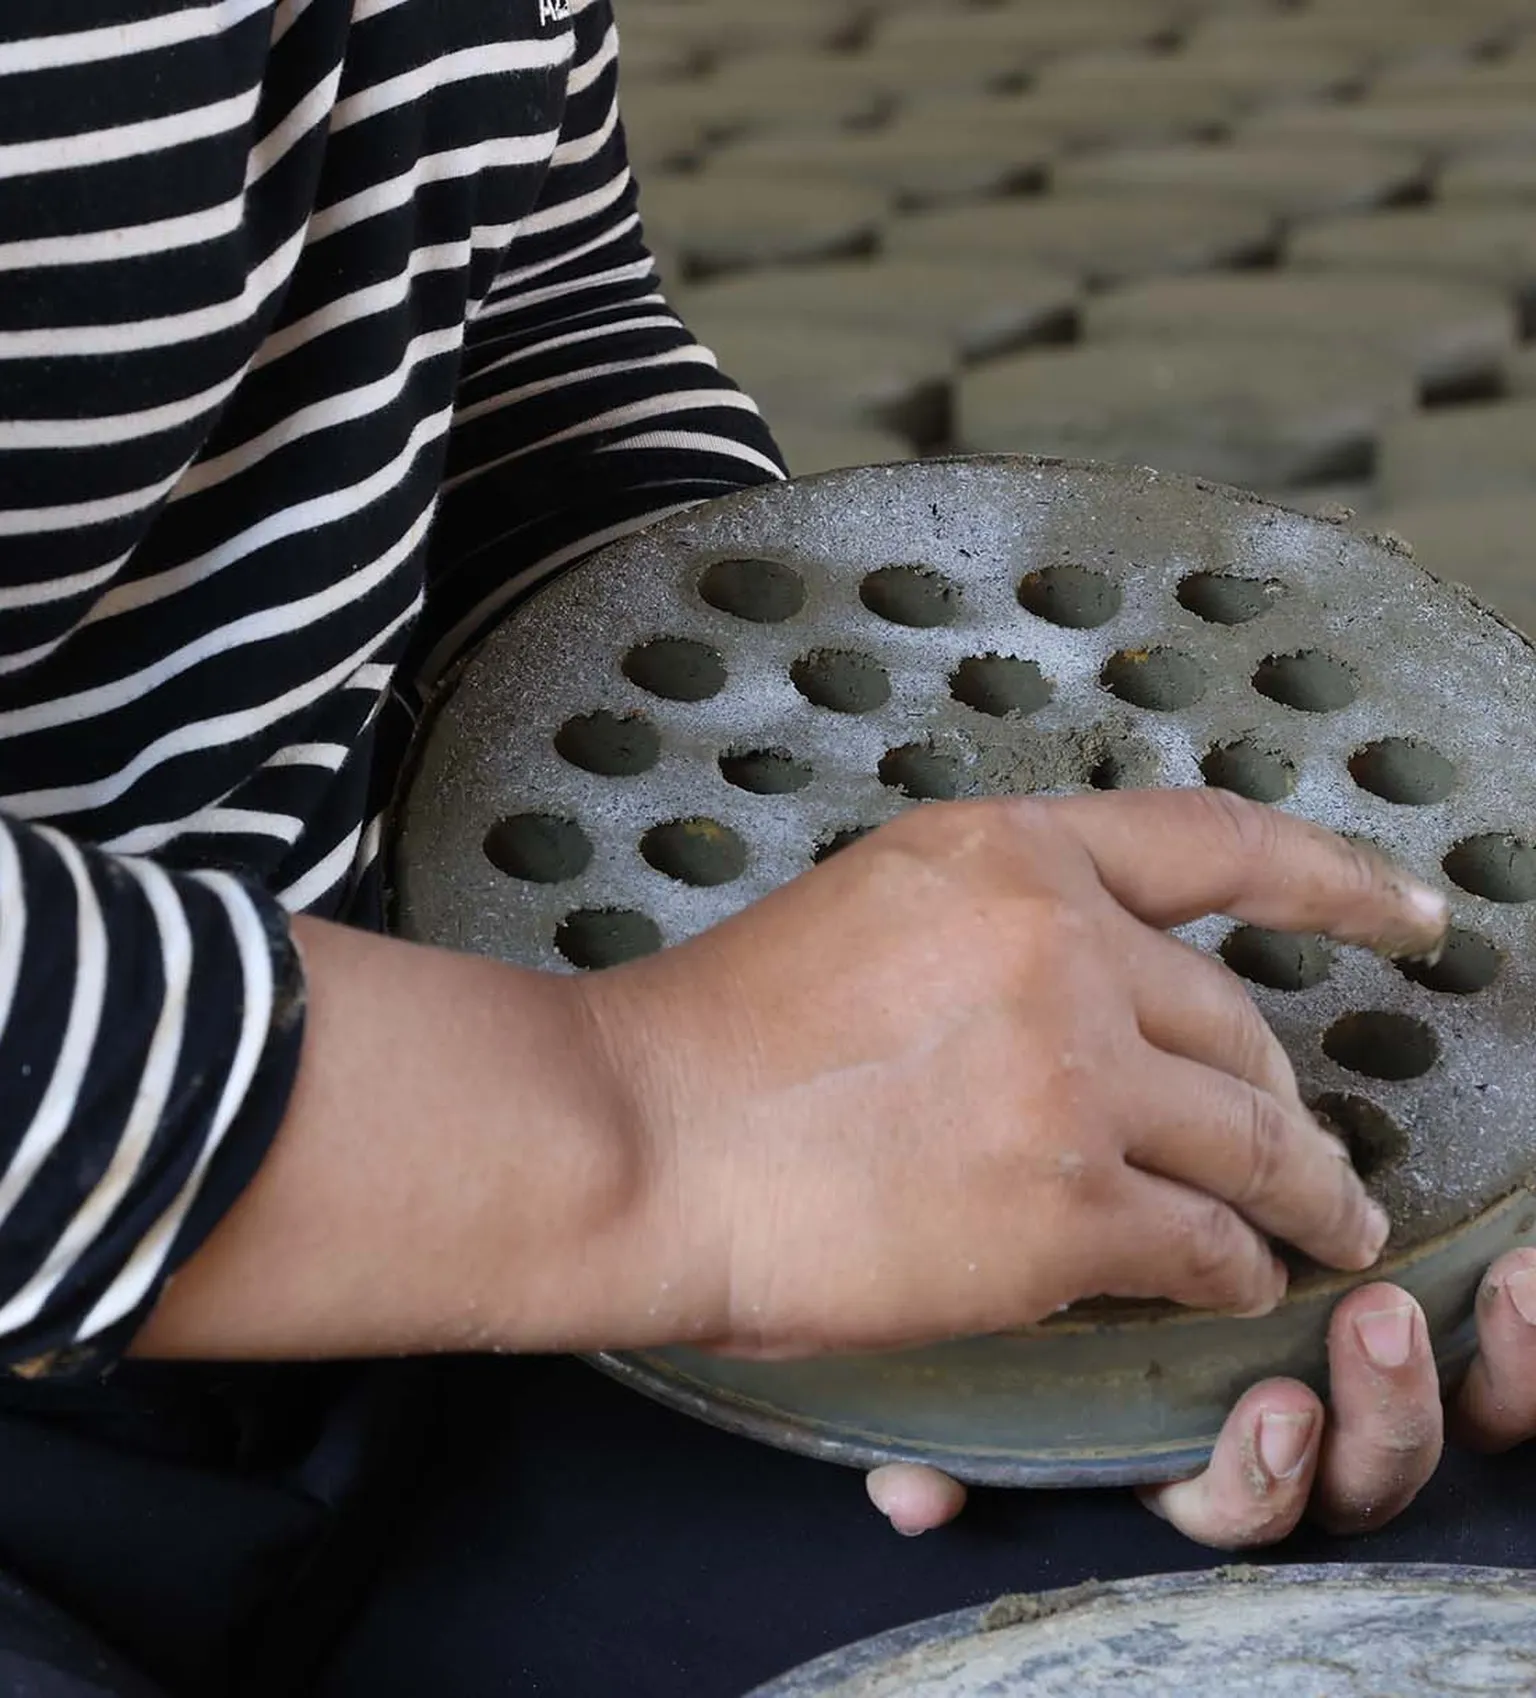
841	680
1373	1138
608	744
839	841
998	685
1381	1045
676	668
921	772
540	848
766	592
1220	599
1404	770
1070	596
1247	769
1162	680
593	938
765	772
695	851
1284	961
910	595
1496	866
1309	682
1468	964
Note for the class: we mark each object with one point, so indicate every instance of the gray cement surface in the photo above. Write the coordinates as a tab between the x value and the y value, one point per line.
1459	451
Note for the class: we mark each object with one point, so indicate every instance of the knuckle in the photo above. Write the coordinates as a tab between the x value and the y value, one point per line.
1266	1141
1251	831
1217	1255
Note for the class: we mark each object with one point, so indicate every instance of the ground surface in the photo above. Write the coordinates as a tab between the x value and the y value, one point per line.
1304	235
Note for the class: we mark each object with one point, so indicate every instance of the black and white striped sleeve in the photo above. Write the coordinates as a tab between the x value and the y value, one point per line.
150	1023
586	408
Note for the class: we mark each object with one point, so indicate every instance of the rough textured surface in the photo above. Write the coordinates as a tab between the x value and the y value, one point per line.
1463	451
1330	1632
1257	413
1099	238
1455	338
1439	129
701	731
980	309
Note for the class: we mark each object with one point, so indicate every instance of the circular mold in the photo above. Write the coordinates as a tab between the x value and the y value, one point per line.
765	772
1162	680
841	680
1221	599
1336	1629
610	745
539	848
1309	682
914	596
1249	769
1105	1394
695	851
1070	596
1403	770
999	685
1279	960
763	592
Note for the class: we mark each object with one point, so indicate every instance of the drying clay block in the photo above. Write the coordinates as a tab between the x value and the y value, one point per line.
1520	377
718	223
1437	129
1480	244
1454	338
1023	36
980	310
1284	181
1381	35
916	163
835	375
810	448
1264	413
1497	177
1246	78
1101	239
1460	451
1482	541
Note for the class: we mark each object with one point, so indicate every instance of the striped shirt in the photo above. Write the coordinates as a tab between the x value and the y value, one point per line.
326	330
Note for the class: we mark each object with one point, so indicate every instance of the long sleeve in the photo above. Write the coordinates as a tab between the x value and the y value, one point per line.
149	1032
585	407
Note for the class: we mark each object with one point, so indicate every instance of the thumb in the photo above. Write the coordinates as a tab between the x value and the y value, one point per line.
915	1499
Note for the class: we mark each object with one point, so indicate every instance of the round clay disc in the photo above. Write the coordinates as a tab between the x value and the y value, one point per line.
1322	1632
704	711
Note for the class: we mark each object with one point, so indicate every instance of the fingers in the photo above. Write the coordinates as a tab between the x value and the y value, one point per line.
1171	856
915	1500
1269	1160
1496	1407
1260	1477
1186	1247
1386	1434
1192	1005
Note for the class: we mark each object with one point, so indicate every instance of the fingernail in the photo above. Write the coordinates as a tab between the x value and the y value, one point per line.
1429	905
1284	1441
1386	1335
1521	1287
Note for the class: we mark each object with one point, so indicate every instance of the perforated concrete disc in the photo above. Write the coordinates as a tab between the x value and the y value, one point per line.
697	715
1321	1632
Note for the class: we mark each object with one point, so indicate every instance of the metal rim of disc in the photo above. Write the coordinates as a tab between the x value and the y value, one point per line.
767	676
1321	1631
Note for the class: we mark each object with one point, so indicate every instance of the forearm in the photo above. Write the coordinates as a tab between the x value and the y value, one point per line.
456	1171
